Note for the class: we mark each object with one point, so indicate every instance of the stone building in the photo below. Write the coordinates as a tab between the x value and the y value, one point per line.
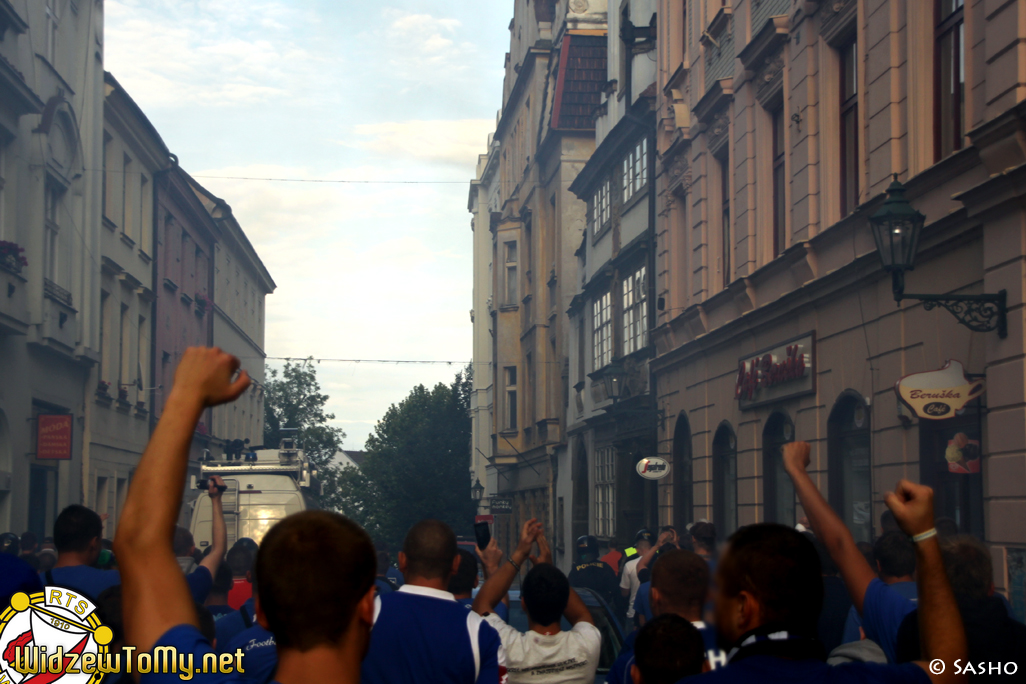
544	136
51	148
613	309
779	127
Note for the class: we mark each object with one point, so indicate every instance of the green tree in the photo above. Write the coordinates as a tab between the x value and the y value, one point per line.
416	466
293	399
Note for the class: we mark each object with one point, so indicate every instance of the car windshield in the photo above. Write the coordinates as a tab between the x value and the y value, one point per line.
611	642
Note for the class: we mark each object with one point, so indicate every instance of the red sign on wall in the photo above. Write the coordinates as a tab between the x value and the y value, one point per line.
53	440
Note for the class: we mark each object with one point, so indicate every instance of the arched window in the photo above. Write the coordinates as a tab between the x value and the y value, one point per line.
725	480
777	488
848	449
683	498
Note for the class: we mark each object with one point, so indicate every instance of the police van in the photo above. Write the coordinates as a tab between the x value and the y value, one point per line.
263	487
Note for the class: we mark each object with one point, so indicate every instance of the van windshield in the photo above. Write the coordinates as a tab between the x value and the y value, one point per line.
252	505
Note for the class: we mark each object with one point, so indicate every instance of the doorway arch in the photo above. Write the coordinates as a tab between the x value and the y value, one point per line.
725	480
849	449
683	494
777	488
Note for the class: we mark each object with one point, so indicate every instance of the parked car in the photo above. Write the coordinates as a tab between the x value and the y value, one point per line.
612	634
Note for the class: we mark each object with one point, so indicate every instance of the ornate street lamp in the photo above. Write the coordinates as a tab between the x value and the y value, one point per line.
896	229
614	377
477	490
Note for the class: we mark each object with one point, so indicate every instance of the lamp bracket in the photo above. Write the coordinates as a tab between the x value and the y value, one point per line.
980	313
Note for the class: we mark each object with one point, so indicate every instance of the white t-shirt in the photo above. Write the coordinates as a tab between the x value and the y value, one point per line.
564	658
629	580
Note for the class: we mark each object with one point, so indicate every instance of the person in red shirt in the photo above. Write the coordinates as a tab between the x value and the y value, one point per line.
240	560
613	557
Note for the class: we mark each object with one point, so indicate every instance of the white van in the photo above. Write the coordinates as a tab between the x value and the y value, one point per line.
269	485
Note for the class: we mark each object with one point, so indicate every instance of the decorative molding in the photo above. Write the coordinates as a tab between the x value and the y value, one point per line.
769	82
837	21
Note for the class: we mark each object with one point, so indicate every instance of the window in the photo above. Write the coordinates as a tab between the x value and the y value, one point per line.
142	369
104	335
511	273
53	263
530	392
778	490
52	23
600	213
105	197
635	312
125	336
3	174
779	184
511	397
949	86
849	128
635	170
126	197
849	477
725	481
145	216
725	240
602	331
605	492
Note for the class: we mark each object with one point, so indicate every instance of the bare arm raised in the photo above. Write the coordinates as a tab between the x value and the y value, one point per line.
155	594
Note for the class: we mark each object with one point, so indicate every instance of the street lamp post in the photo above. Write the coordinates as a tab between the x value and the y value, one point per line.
896	229
477	490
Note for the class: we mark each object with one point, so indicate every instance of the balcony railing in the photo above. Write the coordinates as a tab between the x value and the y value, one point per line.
57	293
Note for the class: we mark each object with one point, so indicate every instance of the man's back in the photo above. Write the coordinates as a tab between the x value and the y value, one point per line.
259	653
597	576
567	657
424	635
84	578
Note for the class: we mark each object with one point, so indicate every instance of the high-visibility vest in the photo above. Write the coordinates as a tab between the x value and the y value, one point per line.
630	553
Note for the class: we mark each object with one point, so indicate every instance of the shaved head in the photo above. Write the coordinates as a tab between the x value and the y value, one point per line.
430	550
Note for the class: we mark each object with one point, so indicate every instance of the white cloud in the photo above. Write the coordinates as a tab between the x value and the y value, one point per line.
448	142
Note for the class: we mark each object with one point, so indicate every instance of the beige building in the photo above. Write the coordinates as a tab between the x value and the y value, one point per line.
120	390
780	126
543	138
51	151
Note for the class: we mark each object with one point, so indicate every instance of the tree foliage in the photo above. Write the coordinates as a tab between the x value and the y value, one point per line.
416	465
293	399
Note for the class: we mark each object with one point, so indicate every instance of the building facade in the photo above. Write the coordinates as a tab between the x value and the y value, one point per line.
117	410
613	309
779	127
544	136
51	140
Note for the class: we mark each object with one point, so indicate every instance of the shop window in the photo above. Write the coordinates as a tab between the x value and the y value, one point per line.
849	128
949	84
605	492
683	498
850	467
725	480
949	461
777	488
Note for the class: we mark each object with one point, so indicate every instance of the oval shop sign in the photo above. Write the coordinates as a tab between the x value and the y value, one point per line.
653	468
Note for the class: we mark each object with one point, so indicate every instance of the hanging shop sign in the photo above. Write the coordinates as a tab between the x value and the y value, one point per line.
936	395
501	505
653	468
781	372
53	438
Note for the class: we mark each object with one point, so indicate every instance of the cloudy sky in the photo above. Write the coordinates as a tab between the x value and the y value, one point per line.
403	90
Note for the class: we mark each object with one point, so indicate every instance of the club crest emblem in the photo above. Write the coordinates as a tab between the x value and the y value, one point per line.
53	636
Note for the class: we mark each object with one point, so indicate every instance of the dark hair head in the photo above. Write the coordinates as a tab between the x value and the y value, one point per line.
206	622
896	554
75	528
28	541
668	649
969	566
888	523
682	580
248	543
430	549
827	564
780	568
239	560
313	568
382	557
223	580
946	527
463	581
108	609
704	534
183	543
545	592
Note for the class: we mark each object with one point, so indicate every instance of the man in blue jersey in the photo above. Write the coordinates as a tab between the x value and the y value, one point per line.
422	634
769	592
895	559
680	583
315	569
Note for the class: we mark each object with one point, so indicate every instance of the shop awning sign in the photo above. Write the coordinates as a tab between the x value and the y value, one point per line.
501	505
653	468
938	394
53	438
781	372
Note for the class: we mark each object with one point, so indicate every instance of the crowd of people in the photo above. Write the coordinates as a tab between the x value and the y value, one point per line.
318	601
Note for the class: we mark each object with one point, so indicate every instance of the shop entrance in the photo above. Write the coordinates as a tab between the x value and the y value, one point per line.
683	497
849	449
777	488
950	457
725	480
